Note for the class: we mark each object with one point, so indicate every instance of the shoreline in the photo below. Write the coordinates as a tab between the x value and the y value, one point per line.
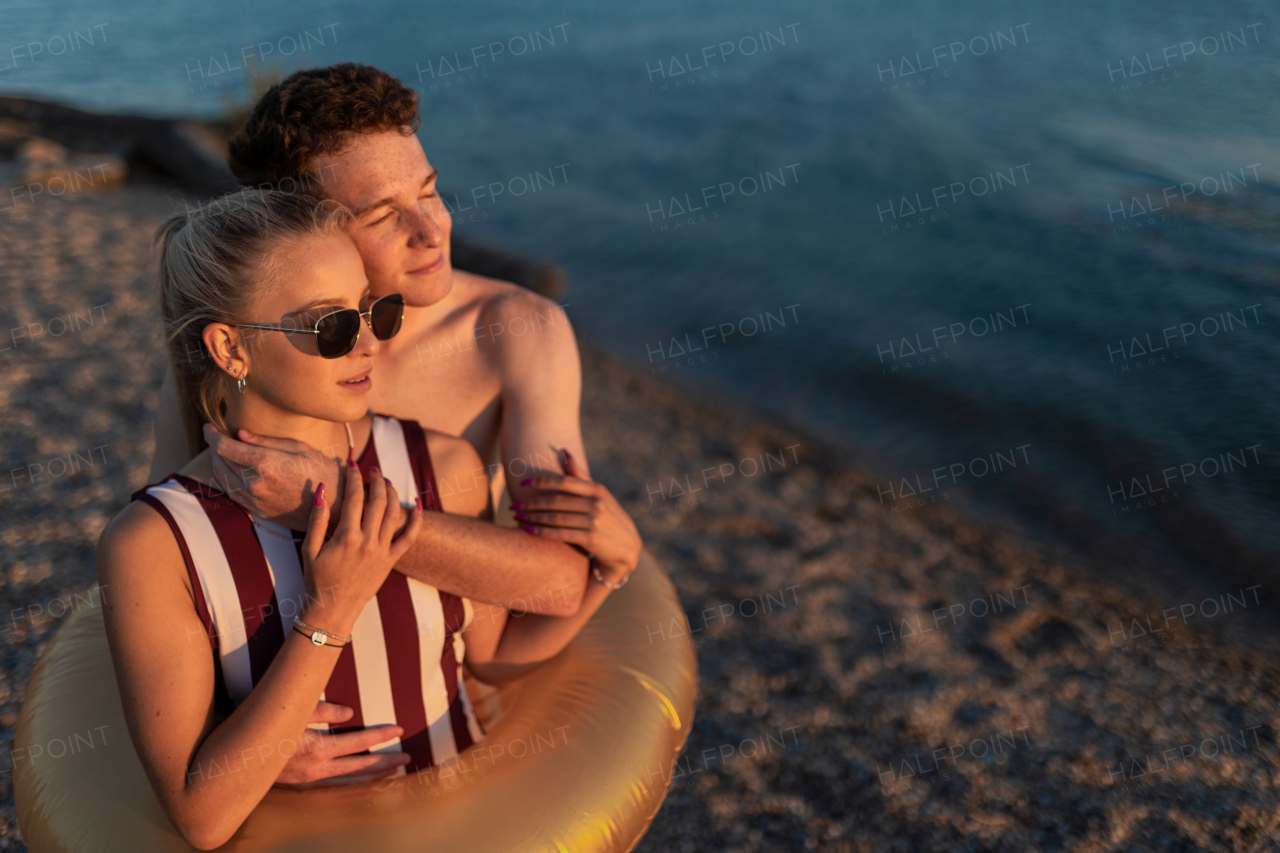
1131	567
850	645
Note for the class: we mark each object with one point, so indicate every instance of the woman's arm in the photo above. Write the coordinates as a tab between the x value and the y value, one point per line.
499	650
209	779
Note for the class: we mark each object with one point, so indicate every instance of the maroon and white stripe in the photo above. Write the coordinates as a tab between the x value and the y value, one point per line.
403	665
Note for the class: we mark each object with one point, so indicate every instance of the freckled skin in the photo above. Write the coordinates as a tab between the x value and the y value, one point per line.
438	371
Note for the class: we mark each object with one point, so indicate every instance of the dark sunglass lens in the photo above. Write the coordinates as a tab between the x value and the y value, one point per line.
385	316
337	333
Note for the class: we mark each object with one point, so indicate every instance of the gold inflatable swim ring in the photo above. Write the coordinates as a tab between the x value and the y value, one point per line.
578	761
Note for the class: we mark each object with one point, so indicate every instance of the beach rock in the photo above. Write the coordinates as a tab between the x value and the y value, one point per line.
13	134
12	130
163	145
45	166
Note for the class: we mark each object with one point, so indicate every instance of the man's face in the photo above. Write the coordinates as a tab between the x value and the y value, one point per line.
401	227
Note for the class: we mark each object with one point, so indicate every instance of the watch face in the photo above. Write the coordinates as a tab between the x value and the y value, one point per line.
318	638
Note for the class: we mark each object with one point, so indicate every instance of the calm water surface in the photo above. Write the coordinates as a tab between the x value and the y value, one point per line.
1023	255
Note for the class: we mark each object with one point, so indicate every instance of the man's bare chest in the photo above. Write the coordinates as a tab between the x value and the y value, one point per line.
455	392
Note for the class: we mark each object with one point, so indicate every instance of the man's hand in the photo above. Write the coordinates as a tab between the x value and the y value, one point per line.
272	477
574	508
325	760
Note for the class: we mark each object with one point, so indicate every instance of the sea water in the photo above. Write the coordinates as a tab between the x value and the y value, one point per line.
1018	256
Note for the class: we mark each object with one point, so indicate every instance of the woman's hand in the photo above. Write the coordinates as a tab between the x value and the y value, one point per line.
574	508
345	572
270	477
325	760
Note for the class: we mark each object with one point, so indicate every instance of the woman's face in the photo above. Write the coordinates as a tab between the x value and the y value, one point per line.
298	283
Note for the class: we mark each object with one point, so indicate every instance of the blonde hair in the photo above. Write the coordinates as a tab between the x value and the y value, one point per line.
214	262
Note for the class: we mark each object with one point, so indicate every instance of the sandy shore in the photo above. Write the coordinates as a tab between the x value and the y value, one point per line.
869	682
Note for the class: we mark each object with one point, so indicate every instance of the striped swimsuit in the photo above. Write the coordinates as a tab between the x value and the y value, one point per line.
403	665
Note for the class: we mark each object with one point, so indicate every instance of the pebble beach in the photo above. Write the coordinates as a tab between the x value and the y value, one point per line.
869	681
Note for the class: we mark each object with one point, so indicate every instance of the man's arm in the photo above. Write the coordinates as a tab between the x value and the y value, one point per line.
541	435
465	556
541	386
463	536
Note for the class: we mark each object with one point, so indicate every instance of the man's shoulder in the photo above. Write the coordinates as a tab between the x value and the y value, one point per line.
499	300
507	313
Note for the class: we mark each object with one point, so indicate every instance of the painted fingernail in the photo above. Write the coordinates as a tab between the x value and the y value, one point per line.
521	517
351	456
532	530
567	454
387	481
375	472
351	463
417	502
319	498
528	481
517	505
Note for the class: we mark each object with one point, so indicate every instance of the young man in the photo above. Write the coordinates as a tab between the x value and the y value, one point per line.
477	358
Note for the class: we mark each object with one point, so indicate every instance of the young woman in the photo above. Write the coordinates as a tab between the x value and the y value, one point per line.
227	630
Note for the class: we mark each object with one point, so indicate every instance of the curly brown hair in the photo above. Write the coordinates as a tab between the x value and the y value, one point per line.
315	112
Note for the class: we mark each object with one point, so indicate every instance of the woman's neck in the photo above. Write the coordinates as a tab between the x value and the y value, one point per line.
268	421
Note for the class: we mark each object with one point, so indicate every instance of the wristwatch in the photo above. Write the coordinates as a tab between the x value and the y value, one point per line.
319	636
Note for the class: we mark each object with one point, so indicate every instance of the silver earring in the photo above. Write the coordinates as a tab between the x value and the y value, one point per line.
240	382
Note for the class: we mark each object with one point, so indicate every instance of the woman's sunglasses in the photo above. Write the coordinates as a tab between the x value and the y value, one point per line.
337	333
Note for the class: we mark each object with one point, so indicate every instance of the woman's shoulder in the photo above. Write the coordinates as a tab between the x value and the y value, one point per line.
139	518
460	474
137	534
451	459
449	452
